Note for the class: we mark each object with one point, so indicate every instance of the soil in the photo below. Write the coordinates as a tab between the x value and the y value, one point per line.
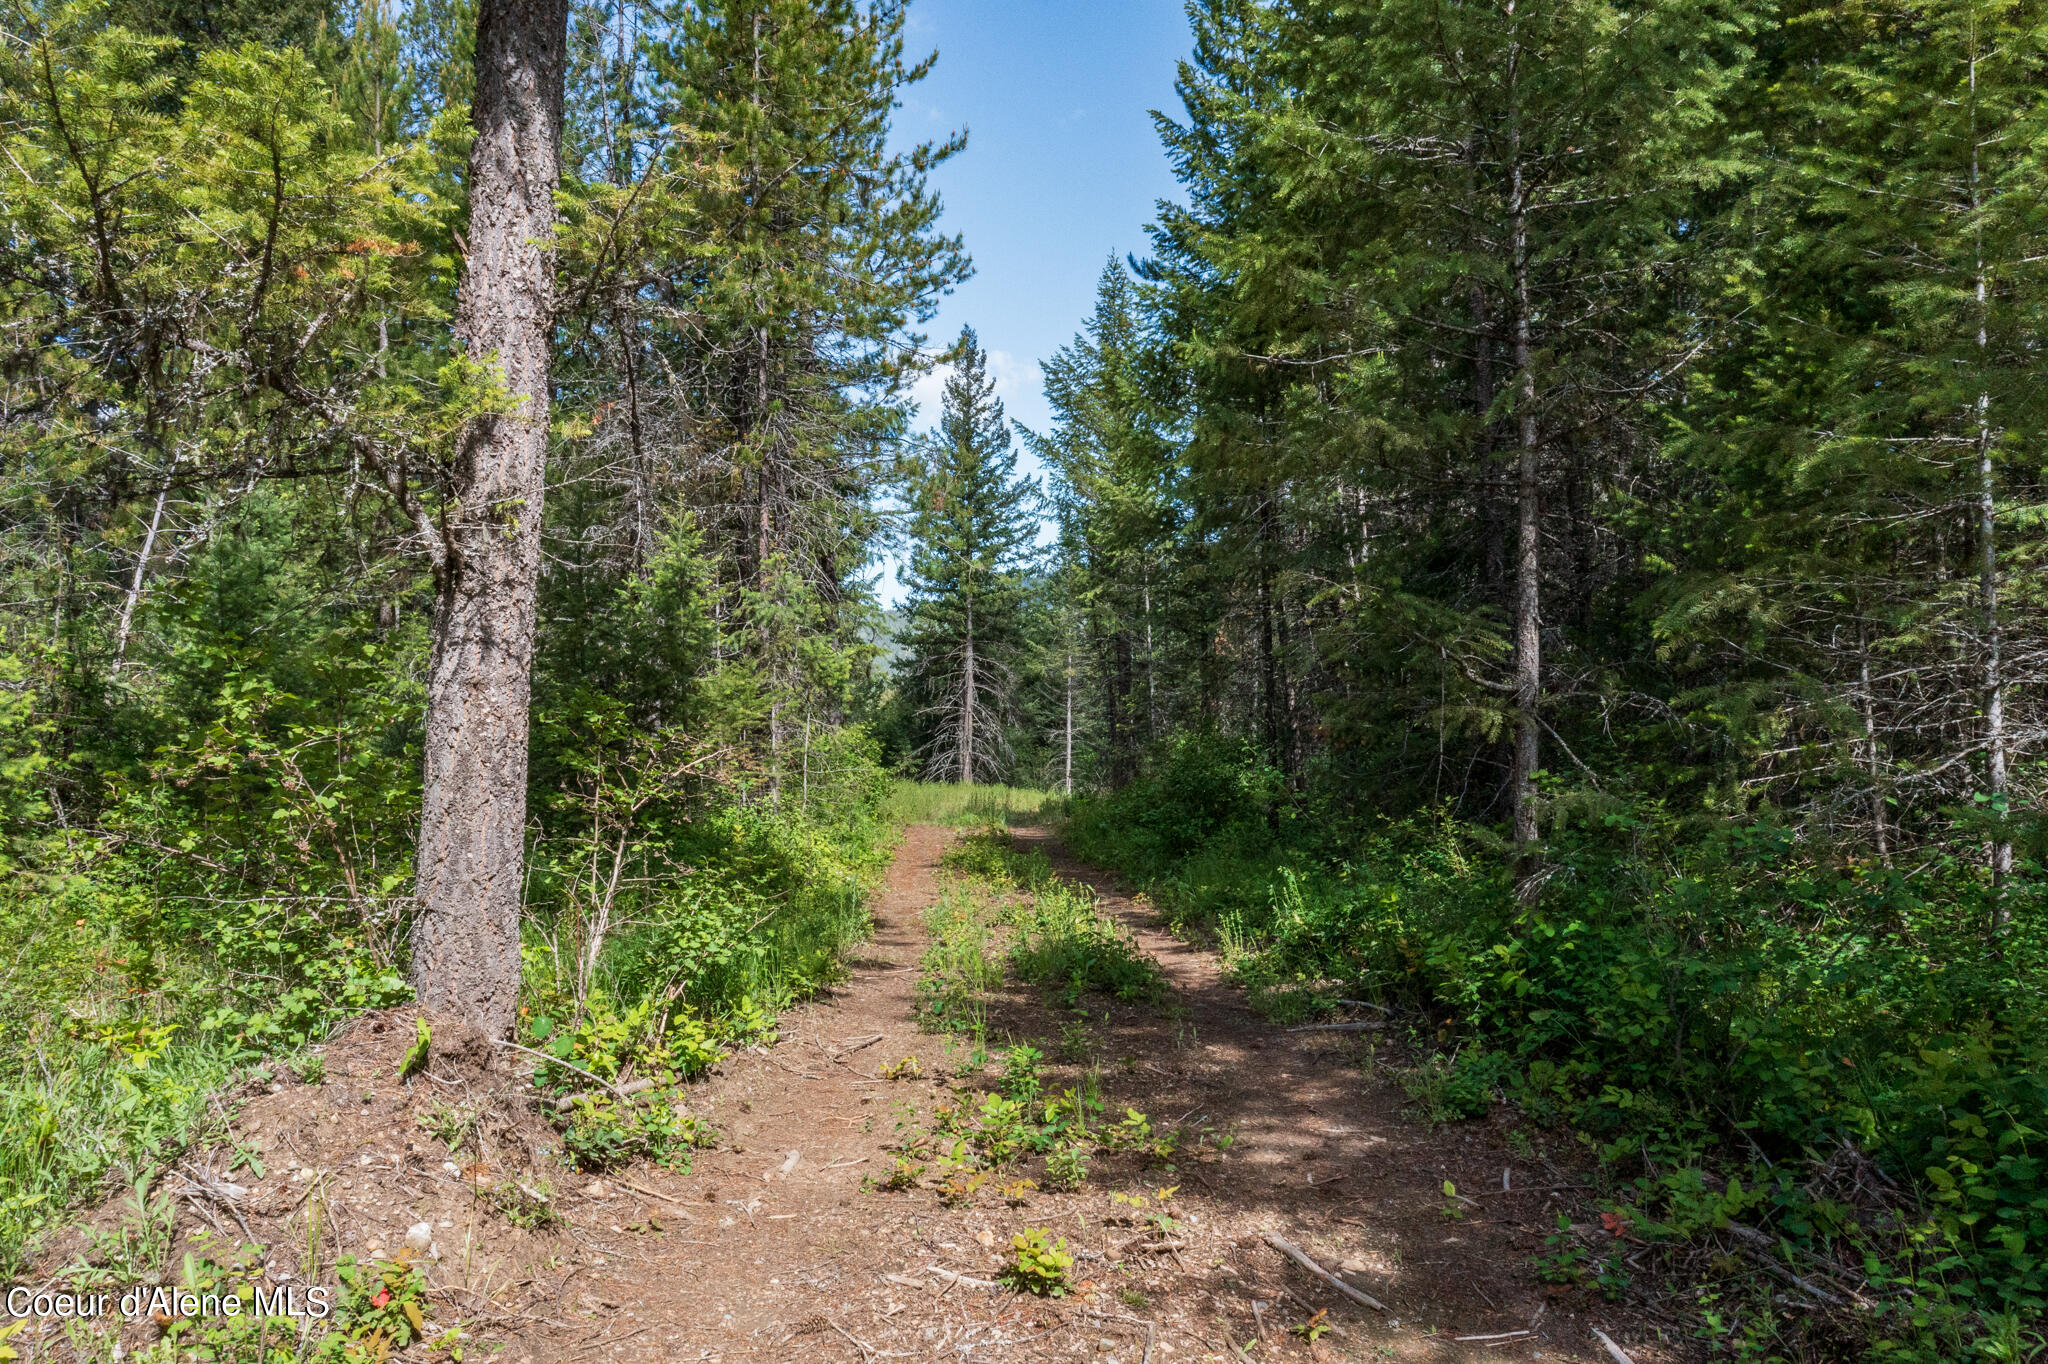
780	1244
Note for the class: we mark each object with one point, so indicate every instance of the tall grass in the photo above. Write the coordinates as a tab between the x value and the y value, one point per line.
944	802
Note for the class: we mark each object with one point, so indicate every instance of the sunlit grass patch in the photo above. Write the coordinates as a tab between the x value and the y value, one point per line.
940	802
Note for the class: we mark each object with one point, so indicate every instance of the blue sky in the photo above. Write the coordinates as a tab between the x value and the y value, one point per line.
1062	165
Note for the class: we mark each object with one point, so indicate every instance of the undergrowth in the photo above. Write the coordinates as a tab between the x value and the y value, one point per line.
140	979
1827	1065
1057	938
1001	911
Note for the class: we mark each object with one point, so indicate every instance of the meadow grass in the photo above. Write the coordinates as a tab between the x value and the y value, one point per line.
944	802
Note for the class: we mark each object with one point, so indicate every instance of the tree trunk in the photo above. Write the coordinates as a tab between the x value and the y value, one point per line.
1528	569
967	708
156	519
473	816
1994	665
1151	676
1879	825
1069	779
1987	578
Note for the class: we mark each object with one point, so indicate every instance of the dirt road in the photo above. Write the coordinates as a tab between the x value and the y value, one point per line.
787	1253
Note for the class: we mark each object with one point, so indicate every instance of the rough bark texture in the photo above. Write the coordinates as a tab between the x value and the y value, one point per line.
473	821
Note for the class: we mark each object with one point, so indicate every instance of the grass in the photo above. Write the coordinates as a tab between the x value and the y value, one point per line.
942	802
1060	939
960	965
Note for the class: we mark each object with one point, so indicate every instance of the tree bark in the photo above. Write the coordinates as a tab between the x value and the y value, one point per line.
1879	825
473	817
1069	779
142	559
967	708
1987	574
1528	564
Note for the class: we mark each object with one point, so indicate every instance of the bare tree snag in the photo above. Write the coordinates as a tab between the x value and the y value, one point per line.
473	817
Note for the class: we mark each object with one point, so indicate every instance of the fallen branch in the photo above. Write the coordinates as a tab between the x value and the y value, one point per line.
1340	1027
1504	1335
1144	1247
966	1280
1770	1263
677	1203
204	1183
948	1275
1301	1257
1620	1355
558	1061
624	1091
867	1351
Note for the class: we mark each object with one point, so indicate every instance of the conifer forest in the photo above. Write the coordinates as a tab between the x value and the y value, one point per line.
1532	573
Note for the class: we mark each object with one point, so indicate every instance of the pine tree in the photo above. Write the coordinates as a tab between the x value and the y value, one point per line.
1467	345
971	528
487	564
1113	472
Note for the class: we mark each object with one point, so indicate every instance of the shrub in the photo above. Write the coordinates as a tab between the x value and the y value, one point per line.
1064	943
1039	1264
1714	1009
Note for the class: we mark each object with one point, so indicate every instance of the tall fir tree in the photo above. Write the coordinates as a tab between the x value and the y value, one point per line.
1114	484
972	520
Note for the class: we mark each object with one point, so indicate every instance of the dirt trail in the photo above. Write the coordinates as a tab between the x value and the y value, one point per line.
786	1256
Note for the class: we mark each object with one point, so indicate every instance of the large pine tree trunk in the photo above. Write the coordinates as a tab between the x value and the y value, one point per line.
473	818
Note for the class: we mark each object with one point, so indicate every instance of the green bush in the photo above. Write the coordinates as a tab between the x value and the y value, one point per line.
1063	942
1716	1011
1039	1264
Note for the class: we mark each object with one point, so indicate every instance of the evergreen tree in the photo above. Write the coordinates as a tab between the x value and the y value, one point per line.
1114	481
971	525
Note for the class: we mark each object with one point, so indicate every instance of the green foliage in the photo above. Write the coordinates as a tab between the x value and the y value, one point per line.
1059	939
1451	1088
1066	1167
1039	1264
968	597
1709	1014
959	965
1066	944
450	1124
990	856
383	1306
527	1205
978	806
415	1059
604	1125
1021	1074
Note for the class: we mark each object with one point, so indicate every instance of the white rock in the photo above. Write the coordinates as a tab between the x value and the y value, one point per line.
419	1237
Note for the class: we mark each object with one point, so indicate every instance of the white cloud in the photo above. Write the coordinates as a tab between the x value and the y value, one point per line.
1014	380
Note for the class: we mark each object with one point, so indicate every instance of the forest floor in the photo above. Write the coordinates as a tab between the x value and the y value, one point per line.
780	1243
